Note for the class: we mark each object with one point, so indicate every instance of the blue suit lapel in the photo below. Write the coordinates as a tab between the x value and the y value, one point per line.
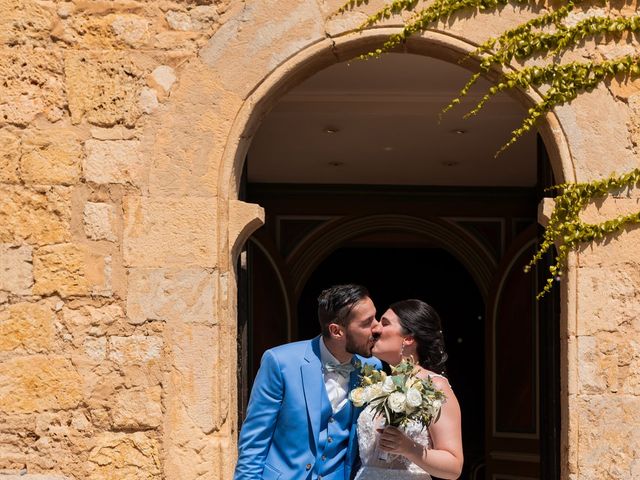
312	382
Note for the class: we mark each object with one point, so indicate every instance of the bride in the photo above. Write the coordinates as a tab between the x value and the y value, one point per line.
412	328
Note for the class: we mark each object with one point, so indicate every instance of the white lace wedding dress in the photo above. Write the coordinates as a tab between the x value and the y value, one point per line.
399	468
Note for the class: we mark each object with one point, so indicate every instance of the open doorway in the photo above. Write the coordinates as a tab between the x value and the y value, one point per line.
360	142
432	275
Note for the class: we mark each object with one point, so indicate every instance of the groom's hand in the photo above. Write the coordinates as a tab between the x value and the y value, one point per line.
394	440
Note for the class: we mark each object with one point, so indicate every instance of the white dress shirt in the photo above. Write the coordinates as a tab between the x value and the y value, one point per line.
336	385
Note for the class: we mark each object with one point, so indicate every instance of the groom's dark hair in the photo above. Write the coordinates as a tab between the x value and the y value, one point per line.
335	304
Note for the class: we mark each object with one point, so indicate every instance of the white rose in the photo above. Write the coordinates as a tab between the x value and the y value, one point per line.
414	399
357	396
436	405
397	402
388	385
375	392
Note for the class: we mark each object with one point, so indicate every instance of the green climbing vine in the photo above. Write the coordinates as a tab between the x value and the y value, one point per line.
548	36
565	228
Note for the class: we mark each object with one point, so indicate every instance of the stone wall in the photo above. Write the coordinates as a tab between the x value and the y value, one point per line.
123	125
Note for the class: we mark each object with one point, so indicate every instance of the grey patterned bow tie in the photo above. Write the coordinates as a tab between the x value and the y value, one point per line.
343	369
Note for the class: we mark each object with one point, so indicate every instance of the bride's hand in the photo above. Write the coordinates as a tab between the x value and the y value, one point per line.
394	440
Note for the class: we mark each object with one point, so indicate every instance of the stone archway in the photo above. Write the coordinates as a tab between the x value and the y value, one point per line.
325	52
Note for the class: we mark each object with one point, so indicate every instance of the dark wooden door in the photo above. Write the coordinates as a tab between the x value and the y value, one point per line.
513	387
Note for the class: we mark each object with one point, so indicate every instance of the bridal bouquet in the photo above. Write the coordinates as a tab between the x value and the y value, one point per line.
401	396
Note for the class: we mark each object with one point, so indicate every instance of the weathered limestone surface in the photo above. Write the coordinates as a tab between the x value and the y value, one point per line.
187	296
117	309
10	151
37	383
169	232
35	84
27	327
100	221
51	157
16	269
68	269
115	161
104	87
35	216
242	43
133	456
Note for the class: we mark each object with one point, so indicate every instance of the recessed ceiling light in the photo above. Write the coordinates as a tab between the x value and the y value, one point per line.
335	164
331	130
459	131
450	163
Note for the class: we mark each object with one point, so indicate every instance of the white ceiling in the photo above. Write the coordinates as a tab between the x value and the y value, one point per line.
385	112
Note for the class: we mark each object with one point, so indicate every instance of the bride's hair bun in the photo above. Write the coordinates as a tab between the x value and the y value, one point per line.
421	321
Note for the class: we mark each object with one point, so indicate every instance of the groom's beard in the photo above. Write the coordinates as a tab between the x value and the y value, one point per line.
364	350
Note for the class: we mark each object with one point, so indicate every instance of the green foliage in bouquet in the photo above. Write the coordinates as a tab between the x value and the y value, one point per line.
400	397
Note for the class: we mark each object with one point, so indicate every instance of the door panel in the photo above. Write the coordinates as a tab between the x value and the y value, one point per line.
513	406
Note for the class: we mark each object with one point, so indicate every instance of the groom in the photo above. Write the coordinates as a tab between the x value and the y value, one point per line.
300	423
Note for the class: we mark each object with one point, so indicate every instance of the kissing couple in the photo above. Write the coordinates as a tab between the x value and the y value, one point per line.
300	422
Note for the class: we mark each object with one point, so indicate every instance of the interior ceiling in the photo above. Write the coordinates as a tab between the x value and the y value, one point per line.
376	122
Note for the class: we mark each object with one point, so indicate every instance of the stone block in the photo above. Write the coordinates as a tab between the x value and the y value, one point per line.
103	87
27	327
114	161
148	100
135	350
615	205
125	456
195	359
595	142
258	39
95	348
615	249
609	362
35	217
25	22
171	295
69	269
164	76
10	151
137	409
37	383
51	156
32	85
198	18
89	316
608	298
16	269
337	24
591	379
133	30
609	441
100	221
170	232
190	134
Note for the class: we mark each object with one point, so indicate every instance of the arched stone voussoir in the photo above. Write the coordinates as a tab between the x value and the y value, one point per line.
261	36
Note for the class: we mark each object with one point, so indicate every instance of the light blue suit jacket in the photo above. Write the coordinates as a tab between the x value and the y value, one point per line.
280	434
